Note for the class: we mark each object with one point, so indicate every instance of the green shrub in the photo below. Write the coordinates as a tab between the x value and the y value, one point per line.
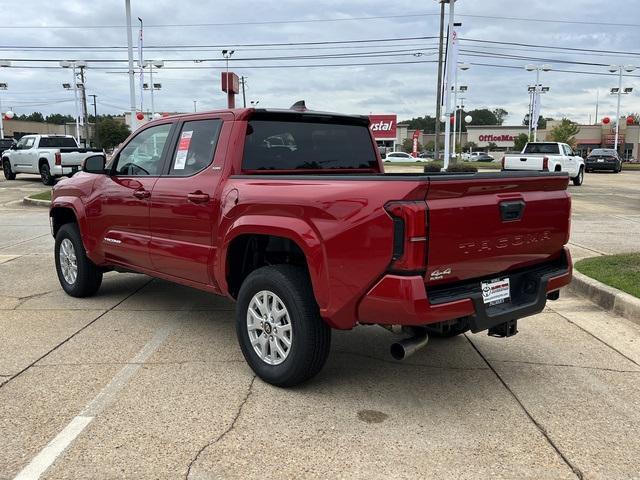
462	167
432	167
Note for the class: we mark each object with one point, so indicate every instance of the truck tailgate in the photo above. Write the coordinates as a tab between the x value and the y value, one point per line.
494	224
72	159
524	162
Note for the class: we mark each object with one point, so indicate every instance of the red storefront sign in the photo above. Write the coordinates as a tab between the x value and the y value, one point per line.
383	126
496	138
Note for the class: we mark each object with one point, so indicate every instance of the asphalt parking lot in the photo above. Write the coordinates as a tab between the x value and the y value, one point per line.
146	380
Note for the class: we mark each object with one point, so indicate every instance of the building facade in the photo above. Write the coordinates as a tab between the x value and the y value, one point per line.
503	136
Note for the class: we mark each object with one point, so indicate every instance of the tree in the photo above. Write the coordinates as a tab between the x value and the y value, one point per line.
111	132
520	141
430	145
59	119
565	132
542	121
470	146
492	146
427	124
500	114
407	145
483	116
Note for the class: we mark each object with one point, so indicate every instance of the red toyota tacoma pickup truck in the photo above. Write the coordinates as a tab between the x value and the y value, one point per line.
289	213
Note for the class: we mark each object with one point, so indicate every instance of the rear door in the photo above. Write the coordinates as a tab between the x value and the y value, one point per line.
118	210
480	226
185	202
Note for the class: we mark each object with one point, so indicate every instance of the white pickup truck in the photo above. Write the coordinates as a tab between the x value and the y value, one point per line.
51	156
547	157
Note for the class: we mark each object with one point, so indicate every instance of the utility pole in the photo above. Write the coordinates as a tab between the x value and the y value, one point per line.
243	79
195	102
96	135
436	142
84	106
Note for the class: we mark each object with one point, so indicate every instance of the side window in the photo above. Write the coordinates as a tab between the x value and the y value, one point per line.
567	150
142	156
196	147
26	143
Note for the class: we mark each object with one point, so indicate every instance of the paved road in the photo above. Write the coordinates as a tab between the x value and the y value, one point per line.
146	380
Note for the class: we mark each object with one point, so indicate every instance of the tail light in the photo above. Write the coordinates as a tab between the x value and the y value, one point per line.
409	235
58	158
545	164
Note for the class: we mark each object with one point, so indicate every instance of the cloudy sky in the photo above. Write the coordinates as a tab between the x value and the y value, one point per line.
401	77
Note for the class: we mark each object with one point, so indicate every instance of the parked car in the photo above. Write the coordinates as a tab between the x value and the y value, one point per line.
51	156
603	159
315	238
547	157
478	157
6	144
401	157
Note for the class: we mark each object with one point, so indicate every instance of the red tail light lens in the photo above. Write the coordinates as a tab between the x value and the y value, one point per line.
58	158
409	235
545	164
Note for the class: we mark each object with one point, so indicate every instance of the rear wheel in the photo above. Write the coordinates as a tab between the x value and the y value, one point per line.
45	174
577	180
78	275
278	325
6	169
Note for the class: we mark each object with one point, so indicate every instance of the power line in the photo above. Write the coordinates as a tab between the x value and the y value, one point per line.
324	20
235	45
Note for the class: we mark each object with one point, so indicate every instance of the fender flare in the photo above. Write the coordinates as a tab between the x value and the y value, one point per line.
77	207
298	231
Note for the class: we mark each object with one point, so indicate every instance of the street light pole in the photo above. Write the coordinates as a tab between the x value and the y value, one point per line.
615	145
535	106
619	69
436	143
3	86
132	87
447	107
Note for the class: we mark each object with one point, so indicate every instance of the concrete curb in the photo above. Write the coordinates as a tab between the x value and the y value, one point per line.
36	202
609	298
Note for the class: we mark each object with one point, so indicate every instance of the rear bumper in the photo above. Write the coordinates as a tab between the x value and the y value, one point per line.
400	300
601	165
60	170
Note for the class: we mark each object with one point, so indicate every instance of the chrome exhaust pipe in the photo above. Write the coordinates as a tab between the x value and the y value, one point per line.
404	348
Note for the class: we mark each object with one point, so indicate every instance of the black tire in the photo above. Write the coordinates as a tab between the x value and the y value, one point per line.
45	174
449	330
6	169
310	335
89	276
577	180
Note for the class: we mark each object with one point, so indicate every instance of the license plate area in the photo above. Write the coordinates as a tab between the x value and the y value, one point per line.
496	291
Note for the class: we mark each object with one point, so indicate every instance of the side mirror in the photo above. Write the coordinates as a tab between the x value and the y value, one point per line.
94	164
13	147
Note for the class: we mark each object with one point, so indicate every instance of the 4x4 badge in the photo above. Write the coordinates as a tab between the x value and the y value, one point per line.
438	274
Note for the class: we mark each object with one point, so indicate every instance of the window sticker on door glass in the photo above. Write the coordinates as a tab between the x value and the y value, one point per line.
183	148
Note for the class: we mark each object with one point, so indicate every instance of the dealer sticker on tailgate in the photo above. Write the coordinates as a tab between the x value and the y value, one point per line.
495	291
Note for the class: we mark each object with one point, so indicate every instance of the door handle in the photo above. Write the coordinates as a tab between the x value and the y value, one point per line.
142	193
198	197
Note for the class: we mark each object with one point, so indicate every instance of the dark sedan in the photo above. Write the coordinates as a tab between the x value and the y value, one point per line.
603	159
6	144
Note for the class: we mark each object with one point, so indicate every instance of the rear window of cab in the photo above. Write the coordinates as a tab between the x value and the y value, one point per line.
307	145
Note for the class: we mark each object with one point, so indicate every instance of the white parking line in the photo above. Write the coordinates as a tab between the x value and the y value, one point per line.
45	458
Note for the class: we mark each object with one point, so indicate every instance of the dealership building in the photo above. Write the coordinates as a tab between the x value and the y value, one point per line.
503	136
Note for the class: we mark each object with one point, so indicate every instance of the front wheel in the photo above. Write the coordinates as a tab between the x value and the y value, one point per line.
278	324
78	275
45	174
577	180
8	172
